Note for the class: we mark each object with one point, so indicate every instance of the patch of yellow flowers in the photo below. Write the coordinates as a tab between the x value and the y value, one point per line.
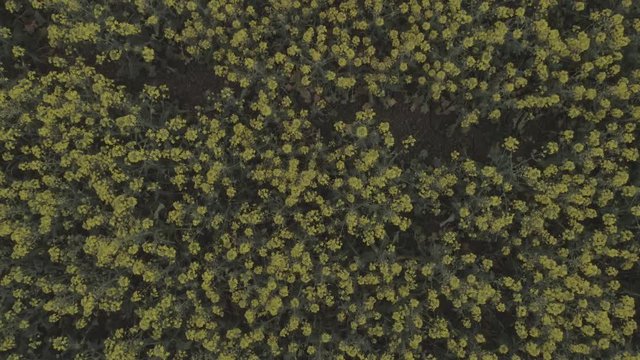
246	228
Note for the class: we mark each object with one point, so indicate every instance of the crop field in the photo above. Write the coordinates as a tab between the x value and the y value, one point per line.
319	179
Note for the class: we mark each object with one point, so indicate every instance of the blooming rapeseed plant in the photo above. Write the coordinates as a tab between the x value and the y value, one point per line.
246	210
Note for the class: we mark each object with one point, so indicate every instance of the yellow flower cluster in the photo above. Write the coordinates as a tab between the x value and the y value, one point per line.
270	221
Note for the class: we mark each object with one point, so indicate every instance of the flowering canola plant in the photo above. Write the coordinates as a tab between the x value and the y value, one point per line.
266	218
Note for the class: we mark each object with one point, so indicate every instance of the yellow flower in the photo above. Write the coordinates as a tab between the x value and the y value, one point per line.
511	144
148	54
17	51
60	343
274	305
232	254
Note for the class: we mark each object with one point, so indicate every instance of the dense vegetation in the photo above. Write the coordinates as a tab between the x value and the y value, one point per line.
302	179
